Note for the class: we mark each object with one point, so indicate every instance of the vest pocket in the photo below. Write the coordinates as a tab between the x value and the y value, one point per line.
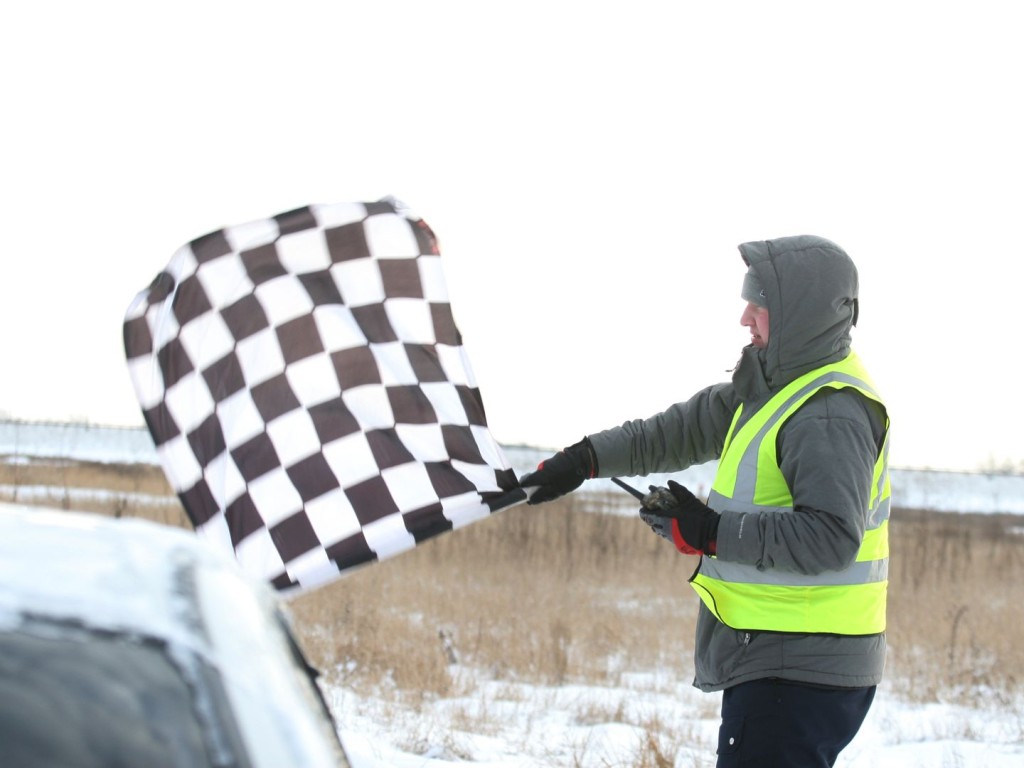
739	645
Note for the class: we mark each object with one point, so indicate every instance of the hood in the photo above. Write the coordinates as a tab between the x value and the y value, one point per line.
809	285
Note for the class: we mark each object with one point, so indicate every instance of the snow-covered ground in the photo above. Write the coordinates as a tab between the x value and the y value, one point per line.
498	724
542	726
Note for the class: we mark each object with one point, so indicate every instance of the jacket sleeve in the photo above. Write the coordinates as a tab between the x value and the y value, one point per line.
827	453
687	433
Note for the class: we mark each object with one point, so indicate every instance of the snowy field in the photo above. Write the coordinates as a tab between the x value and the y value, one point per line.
541	727
509	725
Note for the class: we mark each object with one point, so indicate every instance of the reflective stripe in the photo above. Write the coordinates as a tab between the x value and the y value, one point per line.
742	478
882	493
746	472
749	480
875	545
861	571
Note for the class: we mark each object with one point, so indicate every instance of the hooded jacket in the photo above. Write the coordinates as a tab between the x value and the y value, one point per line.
827	451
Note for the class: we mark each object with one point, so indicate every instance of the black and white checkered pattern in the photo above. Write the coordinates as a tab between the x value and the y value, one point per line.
308	393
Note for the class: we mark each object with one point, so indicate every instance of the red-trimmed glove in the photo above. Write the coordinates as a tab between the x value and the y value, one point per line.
695	521
562	473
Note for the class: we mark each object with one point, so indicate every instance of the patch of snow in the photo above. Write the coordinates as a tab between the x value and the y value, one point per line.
525	726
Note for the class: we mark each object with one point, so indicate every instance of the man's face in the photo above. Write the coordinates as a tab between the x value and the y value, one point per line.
755	318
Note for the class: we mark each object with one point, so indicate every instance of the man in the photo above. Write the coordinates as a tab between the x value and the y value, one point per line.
793	537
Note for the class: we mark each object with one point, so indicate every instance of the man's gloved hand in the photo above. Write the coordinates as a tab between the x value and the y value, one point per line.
562	473
696	522
681	518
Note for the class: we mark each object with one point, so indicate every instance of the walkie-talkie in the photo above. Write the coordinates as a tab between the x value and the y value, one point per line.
655	500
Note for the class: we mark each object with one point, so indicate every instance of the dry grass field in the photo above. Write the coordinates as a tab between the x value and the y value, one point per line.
559	594
119	490
556	593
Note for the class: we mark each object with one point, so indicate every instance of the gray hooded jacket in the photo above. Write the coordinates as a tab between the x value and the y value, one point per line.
827	452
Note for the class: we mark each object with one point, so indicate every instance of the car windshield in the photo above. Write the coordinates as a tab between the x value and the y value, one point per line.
82	699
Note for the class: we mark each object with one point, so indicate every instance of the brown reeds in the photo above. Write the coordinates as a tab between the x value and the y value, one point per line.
543	595
955	591
556	593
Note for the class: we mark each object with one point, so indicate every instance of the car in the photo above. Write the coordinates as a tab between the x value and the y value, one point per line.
124	642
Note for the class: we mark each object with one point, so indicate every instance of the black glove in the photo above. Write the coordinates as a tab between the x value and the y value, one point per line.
562	473
696	521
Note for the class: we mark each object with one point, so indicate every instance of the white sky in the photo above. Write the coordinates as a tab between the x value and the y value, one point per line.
589	168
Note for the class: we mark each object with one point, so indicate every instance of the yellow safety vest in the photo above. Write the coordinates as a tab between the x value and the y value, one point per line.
846	602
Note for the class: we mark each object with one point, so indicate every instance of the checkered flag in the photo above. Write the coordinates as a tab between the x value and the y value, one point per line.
308	393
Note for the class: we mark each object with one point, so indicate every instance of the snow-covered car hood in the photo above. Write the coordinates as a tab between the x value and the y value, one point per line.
140	579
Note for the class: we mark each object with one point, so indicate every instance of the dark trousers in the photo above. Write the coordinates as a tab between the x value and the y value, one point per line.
778	724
